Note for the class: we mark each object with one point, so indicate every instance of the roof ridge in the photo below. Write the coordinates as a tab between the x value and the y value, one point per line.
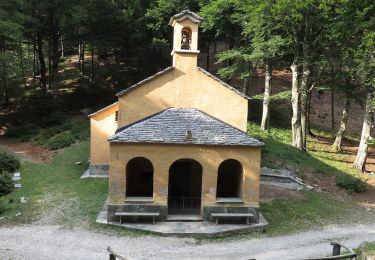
195	17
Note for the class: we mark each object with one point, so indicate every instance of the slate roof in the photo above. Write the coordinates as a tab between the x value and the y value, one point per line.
184	14
170	126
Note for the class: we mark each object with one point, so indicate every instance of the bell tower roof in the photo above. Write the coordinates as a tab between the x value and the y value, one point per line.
185	14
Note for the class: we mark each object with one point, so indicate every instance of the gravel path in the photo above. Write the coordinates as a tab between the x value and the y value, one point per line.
52	242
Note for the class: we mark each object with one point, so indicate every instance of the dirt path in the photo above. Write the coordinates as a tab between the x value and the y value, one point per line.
25	150
50	242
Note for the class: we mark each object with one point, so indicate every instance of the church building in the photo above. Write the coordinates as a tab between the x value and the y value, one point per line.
175	144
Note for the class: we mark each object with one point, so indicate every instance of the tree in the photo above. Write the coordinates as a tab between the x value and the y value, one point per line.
365	59
267	44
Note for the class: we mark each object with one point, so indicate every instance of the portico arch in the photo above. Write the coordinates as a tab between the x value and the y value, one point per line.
139	178
185	187
229	179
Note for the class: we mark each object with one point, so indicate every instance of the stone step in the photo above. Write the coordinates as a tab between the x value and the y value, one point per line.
184	218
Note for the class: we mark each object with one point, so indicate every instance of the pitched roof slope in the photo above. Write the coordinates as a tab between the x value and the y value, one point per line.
103	109
184	14
164	71
205	72
171	126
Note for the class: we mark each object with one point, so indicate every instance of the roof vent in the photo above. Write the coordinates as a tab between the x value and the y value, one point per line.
188	135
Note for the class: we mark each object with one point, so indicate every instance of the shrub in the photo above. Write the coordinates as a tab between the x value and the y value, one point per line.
6	183
43	110
51	132
350	183
80	131
60	141
3	205
53	118
24	131
8	162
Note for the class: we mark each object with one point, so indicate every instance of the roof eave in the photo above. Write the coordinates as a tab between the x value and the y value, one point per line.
168	143
102	109
146	80
208	74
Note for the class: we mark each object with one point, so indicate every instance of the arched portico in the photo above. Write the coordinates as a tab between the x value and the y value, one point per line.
229	179
185	187
139	177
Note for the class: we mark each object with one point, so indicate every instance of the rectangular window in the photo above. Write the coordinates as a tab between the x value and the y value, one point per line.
116	116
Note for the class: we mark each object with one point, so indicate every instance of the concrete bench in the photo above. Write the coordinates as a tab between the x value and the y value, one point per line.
232	215
137	214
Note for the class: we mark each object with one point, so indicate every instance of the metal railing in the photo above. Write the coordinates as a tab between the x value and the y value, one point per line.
113	255
184	204
336	253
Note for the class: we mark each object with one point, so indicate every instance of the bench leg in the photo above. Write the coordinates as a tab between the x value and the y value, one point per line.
153	220
217	221
248	220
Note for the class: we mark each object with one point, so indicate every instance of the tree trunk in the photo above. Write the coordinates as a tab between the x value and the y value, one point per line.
296	119
34	59
4	74
55	57
208	57
308	121
360	160
92	64
266	99
246	84
43	83
336	147
332	101
49	64
22	65
304	108
82	58
79	56
62	47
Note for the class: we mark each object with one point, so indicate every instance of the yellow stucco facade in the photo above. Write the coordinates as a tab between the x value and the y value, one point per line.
162	156
184	86
103	124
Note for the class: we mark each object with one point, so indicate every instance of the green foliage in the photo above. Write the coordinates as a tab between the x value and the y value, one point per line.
43	110
81	131
50	132
6	183
22	131
60	141
350	183
366	250
3	205
281	96
8	162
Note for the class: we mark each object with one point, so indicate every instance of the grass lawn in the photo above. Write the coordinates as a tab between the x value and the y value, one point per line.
366	250
55	188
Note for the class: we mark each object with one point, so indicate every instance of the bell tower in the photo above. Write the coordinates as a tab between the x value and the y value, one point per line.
185	39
